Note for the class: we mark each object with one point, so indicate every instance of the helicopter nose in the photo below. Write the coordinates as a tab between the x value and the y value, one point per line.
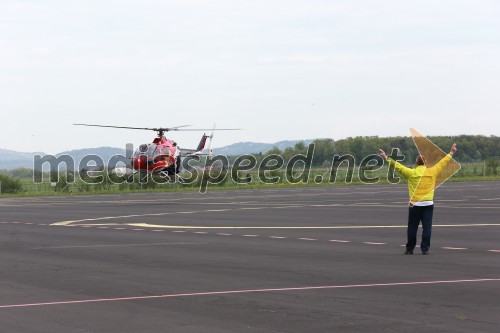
140	163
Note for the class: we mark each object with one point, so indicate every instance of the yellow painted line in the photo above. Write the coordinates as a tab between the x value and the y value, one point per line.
62	223
65	223
160	226
357	205
471	207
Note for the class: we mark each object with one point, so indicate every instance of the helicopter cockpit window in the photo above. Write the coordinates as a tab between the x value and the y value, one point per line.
152	150
147	149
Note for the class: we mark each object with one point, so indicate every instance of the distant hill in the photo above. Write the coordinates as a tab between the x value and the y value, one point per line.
12	160
103	152
471	148
242	148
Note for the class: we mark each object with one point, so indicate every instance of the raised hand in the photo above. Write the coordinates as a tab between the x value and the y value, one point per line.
383	154
453	149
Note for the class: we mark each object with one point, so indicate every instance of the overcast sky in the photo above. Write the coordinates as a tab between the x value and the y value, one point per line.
279	69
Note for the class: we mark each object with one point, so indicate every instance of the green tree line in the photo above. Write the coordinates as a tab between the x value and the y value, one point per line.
471	148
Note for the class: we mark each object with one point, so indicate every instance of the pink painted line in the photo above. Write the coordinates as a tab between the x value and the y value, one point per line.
42	224
339	241
308	239
249	235
178	231
158	230
85	226
498	251
277	237
28	223
120	228
454	248
223	234
102	228
247	291
372	243
200	232
137	229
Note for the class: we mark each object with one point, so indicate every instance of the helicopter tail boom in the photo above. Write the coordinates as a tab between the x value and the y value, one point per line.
202	143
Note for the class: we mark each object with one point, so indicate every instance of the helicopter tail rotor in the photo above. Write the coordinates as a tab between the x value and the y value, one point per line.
209	149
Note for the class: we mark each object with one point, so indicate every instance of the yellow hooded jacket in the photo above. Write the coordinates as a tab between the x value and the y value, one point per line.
421	180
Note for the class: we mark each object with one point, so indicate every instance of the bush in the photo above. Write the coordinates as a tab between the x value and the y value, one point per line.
491	166
9	185
62	185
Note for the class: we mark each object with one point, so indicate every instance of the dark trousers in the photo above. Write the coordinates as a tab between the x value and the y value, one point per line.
415	215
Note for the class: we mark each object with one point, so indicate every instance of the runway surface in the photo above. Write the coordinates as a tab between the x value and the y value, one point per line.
319	259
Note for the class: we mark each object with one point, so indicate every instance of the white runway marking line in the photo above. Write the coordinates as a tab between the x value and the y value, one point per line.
281	237
247	291
272	237
108	245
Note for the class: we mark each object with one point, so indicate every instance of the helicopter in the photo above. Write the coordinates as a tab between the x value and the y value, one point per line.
163	156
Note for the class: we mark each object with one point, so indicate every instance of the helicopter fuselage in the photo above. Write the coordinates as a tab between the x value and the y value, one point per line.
160	155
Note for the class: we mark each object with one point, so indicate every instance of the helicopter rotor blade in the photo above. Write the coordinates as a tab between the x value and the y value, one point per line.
125	127
175	128
162	129
165	129
211	129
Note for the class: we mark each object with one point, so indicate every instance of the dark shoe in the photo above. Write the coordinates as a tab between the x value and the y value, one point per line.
425	253
408	252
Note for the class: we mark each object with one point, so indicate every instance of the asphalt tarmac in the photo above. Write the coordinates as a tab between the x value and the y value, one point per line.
317	259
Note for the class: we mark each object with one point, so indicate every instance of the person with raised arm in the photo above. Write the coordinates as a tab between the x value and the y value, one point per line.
421	185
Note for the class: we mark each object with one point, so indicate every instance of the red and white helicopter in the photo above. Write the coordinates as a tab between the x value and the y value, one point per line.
163	156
